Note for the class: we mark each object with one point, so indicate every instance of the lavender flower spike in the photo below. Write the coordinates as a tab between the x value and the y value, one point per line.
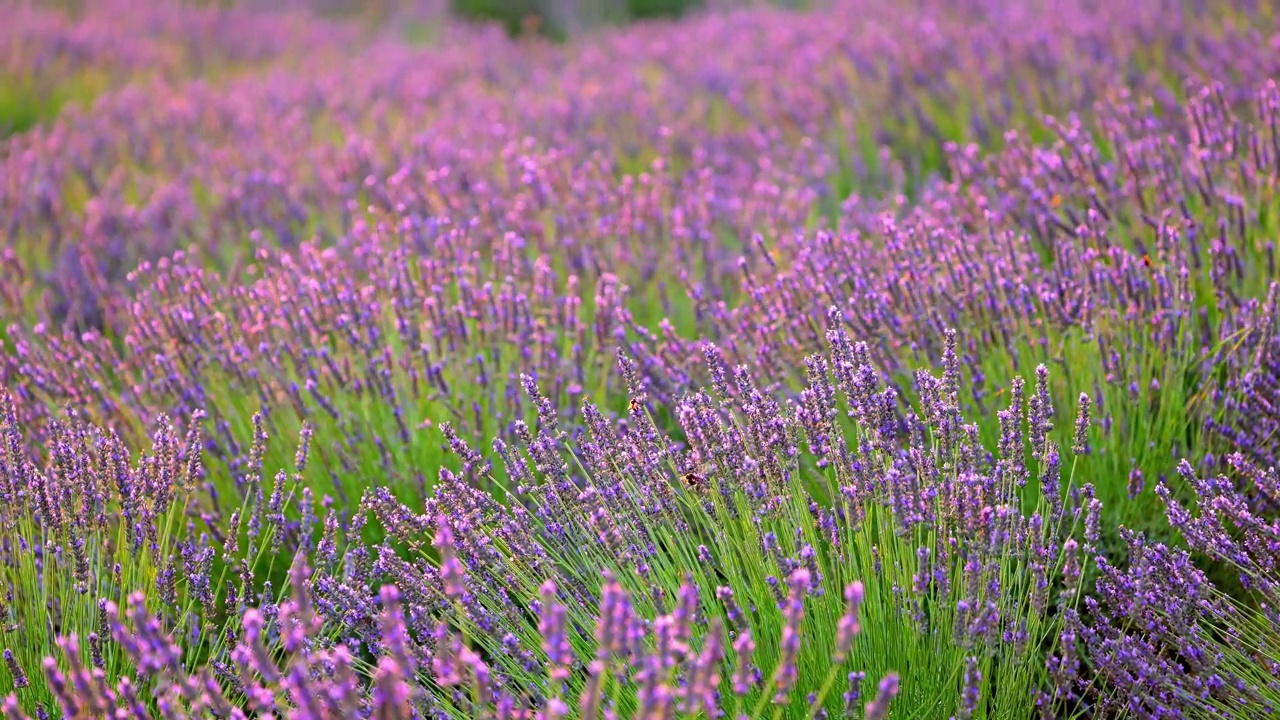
878	708
450	568
848	627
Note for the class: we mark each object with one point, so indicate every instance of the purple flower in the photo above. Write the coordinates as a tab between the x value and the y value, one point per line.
787	673
1080	445
451	573
848	627
971	691
390	691
878	708
743	675
15	671
551	626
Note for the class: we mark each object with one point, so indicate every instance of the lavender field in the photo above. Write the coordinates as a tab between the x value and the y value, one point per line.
879	360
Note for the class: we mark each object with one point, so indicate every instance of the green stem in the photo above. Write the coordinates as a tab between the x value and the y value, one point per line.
823	690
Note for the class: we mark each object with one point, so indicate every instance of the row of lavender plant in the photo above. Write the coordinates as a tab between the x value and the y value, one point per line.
129	38
894	551
54	54
683	218
1171	639
158	167
412	321
1135	261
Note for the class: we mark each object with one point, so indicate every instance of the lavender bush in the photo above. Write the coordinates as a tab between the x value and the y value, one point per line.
1174	642
895	552
85	525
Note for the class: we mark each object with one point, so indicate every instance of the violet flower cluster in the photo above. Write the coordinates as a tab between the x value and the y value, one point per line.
1177	642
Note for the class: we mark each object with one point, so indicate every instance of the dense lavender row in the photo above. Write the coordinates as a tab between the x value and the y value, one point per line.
48	59
637	266
412	320
1172	640
754	140
910	537
130	37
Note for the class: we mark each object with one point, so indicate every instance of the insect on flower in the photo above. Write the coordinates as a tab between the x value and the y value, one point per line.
634	406
694	481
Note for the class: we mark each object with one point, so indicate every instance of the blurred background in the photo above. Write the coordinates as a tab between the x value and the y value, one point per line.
557	19
54	52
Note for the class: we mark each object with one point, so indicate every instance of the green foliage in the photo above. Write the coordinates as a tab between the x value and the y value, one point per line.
27	102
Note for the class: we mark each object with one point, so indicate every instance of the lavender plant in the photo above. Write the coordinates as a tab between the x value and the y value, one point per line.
739	530
411	321
735	573
86	525
1169	639
81	526
52	56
